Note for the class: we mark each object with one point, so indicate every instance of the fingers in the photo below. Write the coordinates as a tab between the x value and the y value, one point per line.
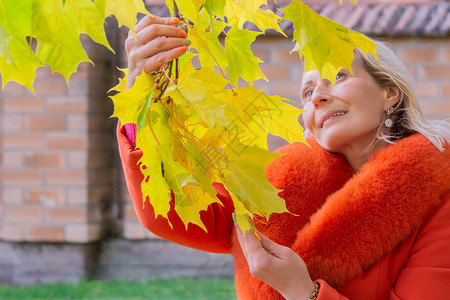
149	19
154	31
157	41
156	61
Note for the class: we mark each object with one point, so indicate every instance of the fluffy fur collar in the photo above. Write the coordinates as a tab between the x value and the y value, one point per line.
346	222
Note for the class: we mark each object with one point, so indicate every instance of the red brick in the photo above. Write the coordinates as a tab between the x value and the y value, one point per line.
23	140
23	214
38	160
66	214
11	232
77	159
23	104
262	54
446	54
13	195
50	86
22	177
77	122
67	105
77	195
67	142
435	107
67	177
284	55
435	72
412	69
45	233
83	70
135	230
12	122
446	89
45	196
275	72
45	123
13	88
418	55
286	89
44	72
83	233
12	159
426	89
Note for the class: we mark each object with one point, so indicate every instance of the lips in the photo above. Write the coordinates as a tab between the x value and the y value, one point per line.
329	115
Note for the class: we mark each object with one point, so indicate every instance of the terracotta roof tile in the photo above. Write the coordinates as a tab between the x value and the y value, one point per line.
399	18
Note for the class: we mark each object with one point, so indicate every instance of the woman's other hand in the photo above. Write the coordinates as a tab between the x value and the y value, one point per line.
276	265
158	41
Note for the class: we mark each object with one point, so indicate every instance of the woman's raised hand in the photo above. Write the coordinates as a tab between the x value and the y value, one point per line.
277	265
158	41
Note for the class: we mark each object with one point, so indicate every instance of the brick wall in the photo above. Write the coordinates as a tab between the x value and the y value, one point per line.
57	158
61	177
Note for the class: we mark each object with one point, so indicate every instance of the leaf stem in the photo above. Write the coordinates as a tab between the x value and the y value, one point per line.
167	76
217	63
148	119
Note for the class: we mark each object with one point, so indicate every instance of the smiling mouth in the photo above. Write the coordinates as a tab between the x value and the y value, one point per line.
331	117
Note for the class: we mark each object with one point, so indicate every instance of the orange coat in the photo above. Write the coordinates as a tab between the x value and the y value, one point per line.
383	233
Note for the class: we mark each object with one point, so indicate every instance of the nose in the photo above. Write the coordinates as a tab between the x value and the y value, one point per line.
321	94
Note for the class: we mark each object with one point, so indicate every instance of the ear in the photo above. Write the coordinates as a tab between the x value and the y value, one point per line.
392	96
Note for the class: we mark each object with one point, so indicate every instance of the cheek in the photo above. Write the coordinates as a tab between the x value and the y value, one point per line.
308	119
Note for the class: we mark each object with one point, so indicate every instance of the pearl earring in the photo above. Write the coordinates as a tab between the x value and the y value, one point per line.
388	122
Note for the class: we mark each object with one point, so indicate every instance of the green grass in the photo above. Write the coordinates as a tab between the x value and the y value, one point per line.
160	289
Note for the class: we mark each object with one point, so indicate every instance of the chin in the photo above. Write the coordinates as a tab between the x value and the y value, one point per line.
332	142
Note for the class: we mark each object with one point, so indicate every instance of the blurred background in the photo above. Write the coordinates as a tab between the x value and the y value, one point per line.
65	213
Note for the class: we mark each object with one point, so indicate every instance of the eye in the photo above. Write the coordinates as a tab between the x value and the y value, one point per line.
339	75
307	93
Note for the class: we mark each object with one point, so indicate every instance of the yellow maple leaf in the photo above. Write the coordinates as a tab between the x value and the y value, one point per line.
327	46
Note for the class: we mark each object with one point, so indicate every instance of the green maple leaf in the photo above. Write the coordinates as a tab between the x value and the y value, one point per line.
326	45
58	43
247	180
17	61
240	57
129	103
240	12
189	8
89	19
125	11
15	17
56	25
154	185
206	42
216	7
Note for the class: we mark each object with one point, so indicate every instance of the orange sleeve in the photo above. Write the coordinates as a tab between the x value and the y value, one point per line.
427	271
426	274
216	218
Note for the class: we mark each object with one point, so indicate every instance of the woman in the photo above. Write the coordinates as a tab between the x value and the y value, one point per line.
371	197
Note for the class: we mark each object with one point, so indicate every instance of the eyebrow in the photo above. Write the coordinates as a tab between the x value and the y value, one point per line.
307	83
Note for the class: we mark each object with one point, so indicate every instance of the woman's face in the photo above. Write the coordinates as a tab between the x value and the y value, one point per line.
349	114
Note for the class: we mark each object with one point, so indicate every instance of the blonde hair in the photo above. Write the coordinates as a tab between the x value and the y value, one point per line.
407	117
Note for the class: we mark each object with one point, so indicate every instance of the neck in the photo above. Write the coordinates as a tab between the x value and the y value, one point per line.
358	154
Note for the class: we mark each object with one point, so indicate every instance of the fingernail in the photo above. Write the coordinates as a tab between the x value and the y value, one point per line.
183	34
174	20
187	42
233	215
182	49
